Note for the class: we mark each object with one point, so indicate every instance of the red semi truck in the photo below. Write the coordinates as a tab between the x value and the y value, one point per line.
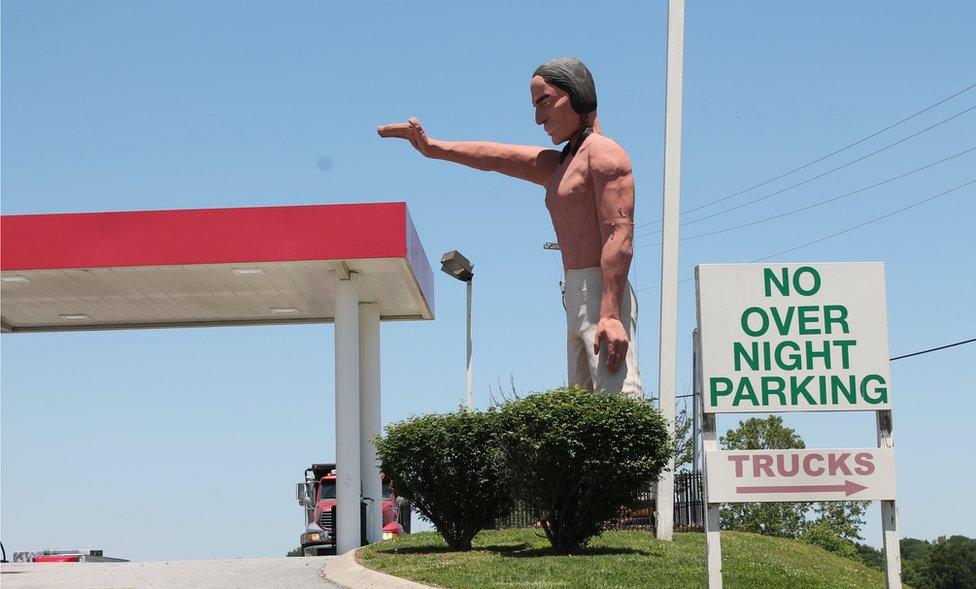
317	496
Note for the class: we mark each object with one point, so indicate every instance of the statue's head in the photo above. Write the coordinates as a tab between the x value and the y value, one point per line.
564	97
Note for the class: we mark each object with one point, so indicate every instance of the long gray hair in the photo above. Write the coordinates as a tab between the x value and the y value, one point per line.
572	77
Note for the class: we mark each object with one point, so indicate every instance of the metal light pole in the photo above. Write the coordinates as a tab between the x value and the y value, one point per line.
470	393
667	359
457	266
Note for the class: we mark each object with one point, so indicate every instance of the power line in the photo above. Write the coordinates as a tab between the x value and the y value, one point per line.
847	230
659	286
846	147
868	222
968	341
811	179
820	203
835	152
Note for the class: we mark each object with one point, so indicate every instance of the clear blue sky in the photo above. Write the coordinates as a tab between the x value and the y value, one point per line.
187	443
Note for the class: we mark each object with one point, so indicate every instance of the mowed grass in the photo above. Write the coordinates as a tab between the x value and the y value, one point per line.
523	558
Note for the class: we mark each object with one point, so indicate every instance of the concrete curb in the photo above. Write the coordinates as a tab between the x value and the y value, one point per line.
346	572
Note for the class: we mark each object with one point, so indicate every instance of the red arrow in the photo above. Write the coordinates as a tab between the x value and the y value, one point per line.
849	488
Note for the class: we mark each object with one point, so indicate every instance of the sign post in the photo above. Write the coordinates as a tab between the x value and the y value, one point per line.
795	337
889	510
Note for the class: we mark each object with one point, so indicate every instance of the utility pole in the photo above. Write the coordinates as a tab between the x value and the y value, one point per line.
667	359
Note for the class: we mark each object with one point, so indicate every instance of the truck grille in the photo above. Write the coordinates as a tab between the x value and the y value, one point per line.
325	522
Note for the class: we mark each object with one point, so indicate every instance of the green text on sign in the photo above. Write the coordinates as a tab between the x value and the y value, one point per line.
793	337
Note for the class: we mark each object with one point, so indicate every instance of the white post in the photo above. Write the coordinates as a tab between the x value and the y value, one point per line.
369	417
667	363
696	390
348	490
713	543
470	394
889	511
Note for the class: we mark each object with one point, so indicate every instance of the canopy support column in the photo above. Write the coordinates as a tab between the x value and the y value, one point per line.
348	484
369	417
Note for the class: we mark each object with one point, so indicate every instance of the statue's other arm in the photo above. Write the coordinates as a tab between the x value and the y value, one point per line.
535	164
613	184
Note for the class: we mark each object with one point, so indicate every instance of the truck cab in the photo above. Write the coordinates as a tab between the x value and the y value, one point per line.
318	496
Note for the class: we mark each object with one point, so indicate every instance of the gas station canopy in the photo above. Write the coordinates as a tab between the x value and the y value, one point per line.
207	267
354	265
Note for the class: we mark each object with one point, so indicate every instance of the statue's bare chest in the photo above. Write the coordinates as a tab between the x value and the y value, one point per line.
570	189
571	200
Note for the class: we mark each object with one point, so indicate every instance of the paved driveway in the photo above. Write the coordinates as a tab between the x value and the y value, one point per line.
299	573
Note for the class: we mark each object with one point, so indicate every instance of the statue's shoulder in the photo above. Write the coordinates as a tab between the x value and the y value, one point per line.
605	155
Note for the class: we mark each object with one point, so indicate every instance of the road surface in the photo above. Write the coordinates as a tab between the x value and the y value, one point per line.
298	573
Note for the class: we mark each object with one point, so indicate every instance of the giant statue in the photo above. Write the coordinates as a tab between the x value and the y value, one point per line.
590	196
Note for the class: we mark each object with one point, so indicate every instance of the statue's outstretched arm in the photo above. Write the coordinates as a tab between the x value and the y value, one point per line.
535	164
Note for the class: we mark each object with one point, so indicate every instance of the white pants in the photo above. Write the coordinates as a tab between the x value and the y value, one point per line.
584	288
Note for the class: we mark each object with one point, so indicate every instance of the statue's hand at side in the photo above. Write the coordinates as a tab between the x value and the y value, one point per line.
611	330
412	131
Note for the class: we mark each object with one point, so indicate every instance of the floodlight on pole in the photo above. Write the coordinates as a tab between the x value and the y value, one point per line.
456	265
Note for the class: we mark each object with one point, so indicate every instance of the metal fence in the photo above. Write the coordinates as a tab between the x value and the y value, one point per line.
519	517
689	509
689	502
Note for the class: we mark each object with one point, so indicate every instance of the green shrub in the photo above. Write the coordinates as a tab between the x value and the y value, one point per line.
945	563
915	555
871	556
952	563
445	465
575	457
823	535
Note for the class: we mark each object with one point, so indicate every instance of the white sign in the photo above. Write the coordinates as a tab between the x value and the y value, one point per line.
793	337
737	476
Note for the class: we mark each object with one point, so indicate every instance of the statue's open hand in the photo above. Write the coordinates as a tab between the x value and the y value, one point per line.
412	131
612	331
